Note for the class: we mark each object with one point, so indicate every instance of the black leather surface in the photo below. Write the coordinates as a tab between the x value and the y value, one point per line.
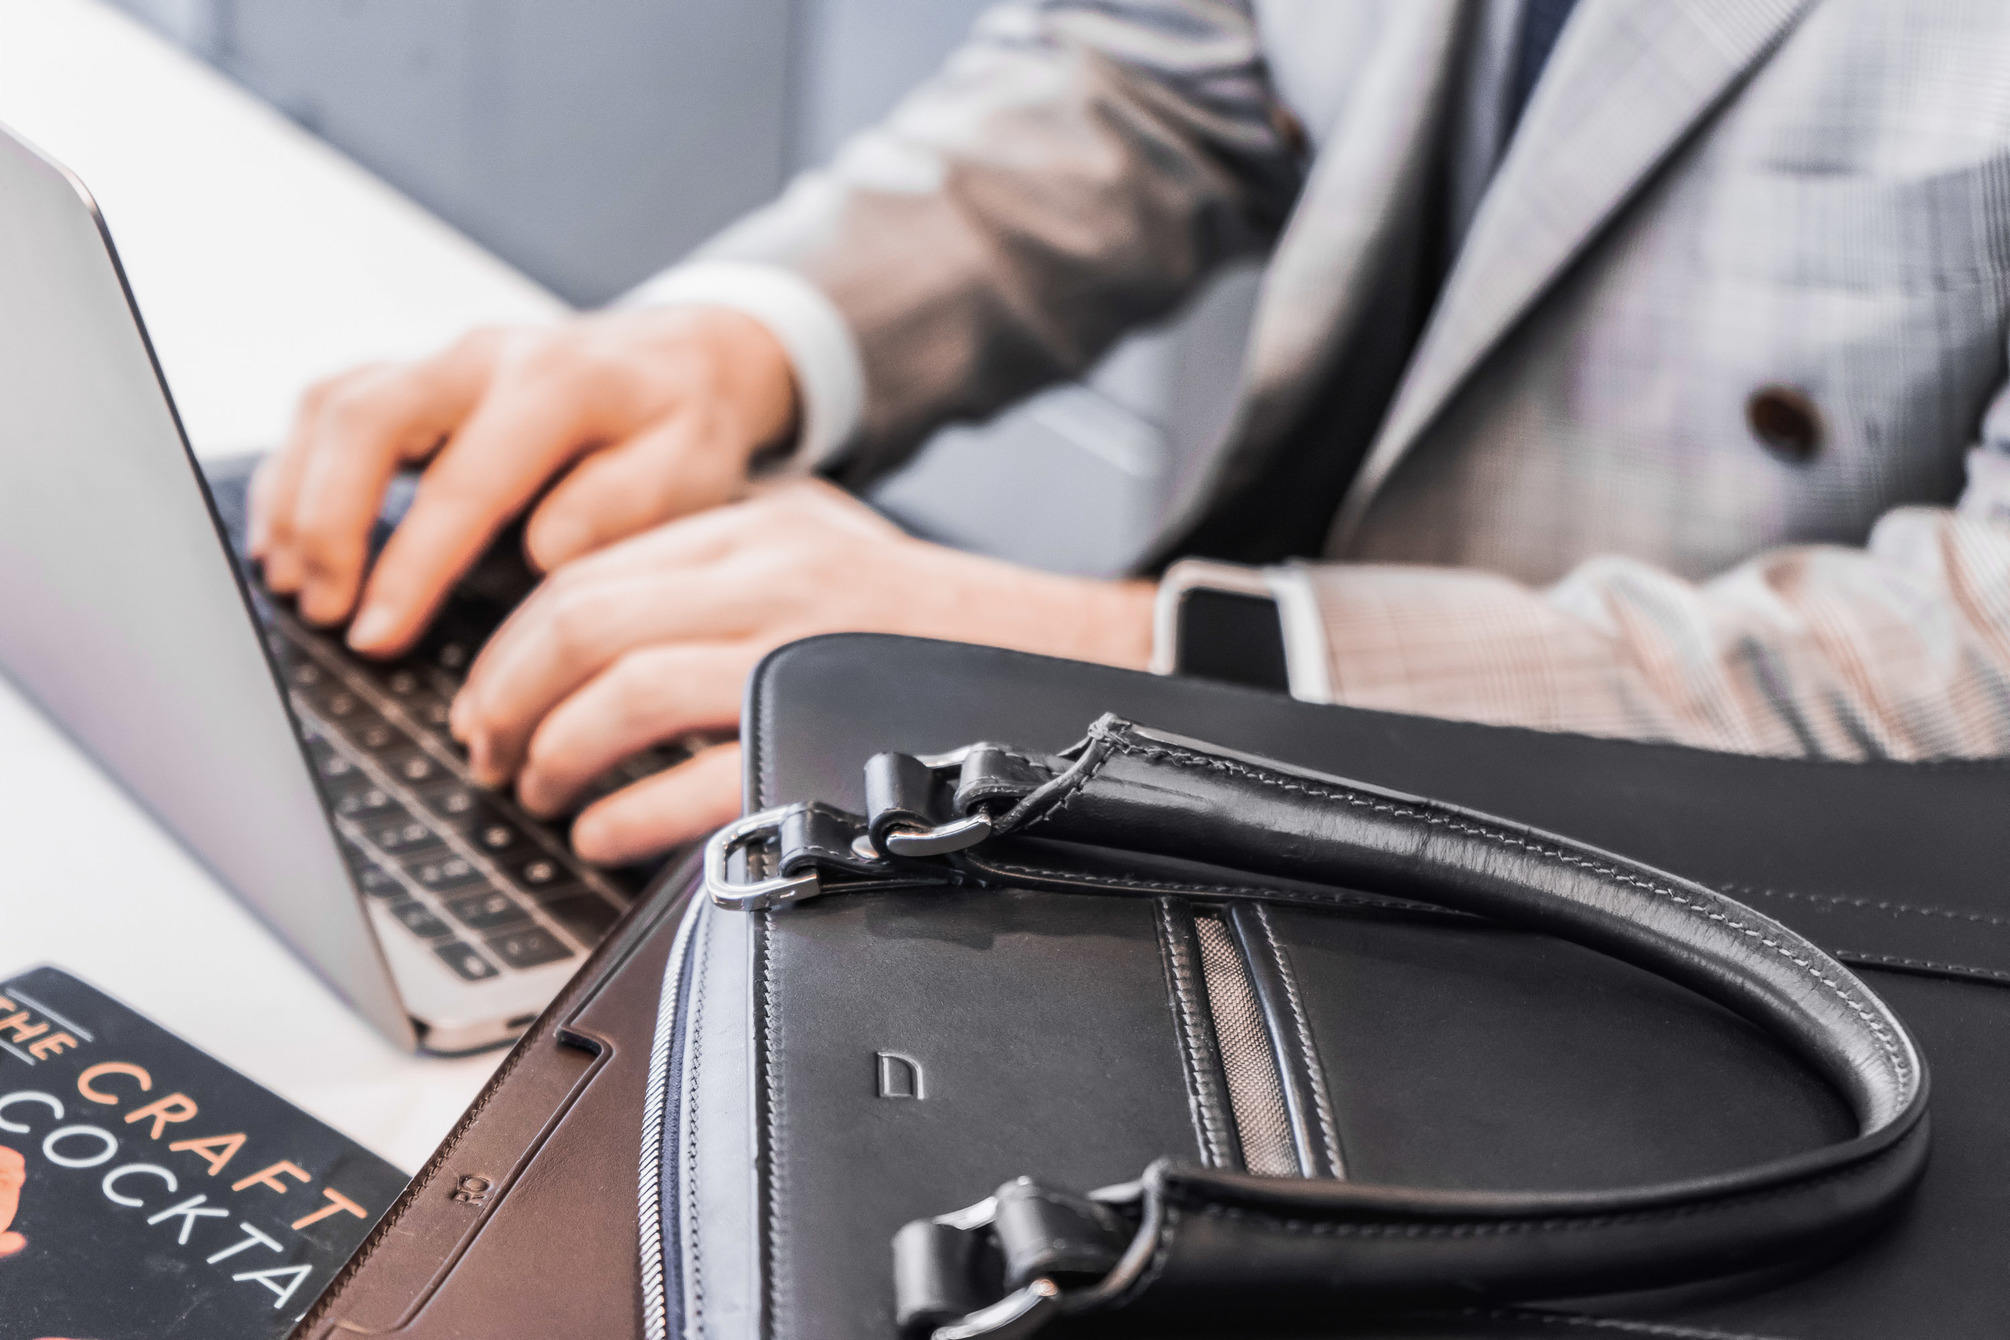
1036	1055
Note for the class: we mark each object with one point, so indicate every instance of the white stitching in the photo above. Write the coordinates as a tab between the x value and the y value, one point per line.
1326	899
1071	789
1554	1223
1314	1075
1206	1100
1188	759
1584	1321
689	1131
1871	904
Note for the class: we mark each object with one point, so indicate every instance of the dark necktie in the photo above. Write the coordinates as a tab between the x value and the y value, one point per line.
1541	22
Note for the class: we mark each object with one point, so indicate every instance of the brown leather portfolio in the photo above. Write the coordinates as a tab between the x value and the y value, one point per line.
525	1222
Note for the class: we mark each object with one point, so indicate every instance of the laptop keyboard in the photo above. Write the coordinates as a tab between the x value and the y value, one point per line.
487	887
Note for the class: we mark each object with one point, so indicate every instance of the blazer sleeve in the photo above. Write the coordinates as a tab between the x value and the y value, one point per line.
1074	170
1897	649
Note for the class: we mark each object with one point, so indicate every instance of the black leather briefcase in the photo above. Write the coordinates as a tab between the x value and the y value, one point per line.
1110	1031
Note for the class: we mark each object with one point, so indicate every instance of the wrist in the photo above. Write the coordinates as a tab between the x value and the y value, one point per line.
1108	622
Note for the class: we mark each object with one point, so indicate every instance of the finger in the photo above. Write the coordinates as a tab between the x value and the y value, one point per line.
519	434
667	810
378	423
679	547
625	489
647	697
574	636
276	485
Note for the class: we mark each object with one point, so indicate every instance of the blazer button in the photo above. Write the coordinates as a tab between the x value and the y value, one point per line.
1786	422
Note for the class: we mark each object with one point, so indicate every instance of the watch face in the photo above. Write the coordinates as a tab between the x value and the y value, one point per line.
1232	636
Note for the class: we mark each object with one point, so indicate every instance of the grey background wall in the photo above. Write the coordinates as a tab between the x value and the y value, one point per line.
593	142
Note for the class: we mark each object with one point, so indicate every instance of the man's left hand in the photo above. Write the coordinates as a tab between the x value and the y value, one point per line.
651	639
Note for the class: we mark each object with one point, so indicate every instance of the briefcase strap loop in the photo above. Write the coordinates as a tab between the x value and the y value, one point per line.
1185	1243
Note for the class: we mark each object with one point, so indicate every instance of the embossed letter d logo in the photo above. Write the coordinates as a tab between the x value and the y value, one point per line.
899	1076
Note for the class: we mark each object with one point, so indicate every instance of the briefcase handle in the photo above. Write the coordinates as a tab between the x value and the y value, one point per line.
1185	1244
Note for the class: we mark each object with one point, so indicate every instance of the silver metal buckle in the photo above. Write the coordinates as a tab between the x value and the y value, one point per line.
937	841
1027	1309
942	838
1018	1314
760	894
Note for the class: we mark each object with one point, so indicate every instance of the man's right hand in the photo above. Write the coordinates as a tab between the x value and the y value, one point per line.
639	416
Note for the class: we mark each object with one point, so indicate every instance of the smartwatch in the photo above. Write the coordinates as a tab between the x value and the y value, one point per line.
1219	621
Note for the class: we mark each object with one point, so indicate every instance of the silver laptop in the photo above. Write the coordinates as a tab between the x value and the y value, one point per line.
321	787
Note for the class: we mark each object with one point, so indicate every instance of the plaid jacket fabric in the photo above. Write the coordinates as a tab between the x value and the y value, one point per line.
1564	514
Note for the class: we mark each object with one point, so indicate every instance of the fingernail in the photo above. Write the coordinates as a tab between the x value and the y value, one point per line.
591	839
459	715
530	795
553	542
482	766
373	627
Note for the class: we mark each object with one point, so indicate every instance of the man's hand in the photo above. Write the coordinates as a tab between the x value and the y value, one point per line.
640	416
651	639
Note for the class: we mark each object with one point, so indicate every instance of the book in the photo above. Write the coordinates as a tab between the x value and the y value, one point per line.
150	1192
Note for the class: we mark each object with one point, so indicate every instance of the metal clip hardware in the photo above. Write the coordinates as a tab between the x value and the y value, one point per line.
756	895
1030	1307
942	838
1018	1314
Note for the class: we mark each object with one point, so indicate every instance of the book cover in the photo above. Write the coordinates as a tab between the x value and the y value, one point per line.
149	1192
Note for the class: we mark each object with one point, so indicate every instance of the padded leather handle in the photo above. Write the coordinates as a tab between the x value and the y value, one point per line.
1263	1253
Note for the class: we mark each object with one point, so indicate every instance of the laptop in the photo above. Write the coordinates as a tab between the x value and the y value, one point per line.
321	787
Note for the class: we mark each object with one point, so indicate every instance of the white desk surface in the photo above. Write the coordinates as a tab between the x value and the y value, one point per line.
261	260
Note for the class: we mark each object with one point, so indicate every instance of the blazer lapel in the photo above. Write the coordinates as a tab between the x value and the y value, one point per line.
1627	83
1361	187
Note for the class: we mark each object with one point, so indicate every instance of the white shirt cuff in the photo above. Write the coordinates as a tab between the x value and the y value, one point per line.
1307	667
830	376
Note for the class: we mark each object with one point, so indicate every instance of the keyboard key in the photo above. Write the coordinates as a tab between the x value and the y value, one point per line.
465	960
528	947
455	801
336	704
486	911
402	682
377	882
559	892
413	766
365	802
305	674
420	921
336	769
442	874
536	871
586	915
432	713
406	837
498	839
377	737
